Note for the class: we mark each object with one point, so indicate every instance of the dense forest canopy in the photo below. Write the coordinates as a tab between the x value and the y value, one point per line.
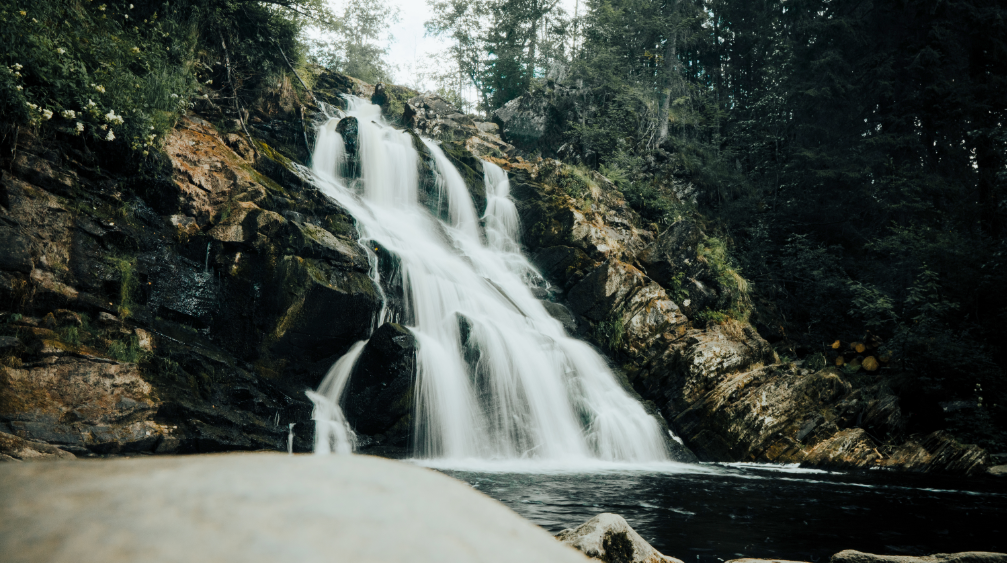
852	154
848	156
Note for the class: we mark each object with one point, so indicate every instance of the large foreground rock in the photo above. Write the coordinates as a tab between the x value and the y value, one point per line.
257	507
608	537
853	556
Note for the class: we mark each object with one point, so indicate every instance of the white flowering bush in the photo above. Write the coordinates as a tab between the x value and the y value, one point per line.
78	67
87	67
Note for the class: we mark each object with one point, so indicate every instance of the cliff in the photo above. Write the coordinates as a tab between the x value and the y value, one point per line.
187	306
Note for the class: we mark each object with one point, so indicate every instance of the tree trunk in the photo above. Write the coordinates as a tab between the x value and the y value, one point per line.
671	80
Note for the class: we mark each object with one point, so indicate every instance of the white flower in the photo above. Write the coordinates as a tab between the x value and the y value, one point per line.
68	114
47	114
135	49
209	81
126	16
17	66
31	105
80	127
91	104
61	50
18	88
102	7
104	127
111	117
130	6
100	89
17	74
111	136
174	95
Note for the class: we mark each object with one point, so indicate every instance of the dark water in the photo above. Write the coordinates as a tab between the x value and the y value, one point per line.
732	511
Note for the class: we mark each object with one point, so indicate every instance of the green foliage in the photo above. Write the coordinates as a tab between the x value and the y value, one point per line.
126	350
708	316
126	268
734	299
107	71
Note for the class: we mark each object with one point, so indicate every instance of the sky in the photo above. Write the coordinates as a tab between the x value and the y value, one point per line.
411	51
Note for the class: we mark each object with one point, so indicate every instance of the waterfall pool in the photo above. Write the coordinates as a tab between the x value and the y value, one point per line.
717	512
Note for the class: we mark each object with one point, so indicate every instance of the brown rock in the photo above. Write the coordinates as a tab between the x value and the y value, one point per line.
13	448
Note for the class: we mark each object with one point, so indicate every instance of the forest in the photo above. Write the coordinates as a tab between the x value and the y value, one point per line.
848	158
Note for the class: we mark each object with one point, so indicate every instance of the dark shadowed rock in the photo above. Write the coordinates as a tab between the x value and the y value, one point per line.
379	396
673	261
609	538
349	129
852	556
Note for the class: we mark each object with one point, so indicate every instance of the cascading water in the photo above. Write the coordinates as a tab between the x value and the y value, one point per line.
497	376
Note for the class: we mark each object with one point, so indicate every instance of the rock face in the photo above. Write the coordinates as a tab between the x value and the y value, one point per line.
181	307
721	388
851	556
253	508
609	538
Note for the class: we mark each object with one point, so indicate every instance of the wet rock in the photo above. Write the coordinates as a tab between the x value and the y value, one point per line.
349	129
180	289
15	251
320	310
312	241
608	537
852	556
562	314
184	224
998	470
379	395
13	448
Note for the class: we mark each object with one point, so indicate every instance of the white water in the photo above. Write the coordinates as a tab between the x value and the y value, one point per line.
533	392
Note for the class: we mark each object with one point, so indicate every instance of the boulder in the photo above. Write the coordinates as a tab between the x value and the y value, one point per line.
349	129
603	290
253	508
608	537
379	395
318	310
852	556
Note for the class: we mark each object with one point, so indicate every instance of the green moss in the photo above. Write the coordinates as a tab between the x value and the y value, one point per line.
125	350
610	334
127	283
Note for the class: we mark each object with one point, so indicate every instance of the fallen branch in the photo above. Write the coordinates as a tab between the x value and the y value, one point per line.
237	102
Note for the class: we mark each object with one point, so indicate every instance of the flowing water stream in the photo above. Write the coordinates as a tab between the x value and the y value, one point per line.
497	376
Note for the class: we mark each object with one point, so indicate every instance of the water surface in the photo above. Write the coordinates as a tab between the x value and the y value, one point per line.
711	513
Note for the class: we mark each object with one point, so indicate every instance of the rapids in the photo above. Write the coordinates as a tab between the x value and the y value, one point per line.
497	376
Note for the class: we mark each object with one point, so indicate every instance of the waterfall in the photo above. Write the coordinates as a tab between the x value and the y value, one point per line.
517	386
